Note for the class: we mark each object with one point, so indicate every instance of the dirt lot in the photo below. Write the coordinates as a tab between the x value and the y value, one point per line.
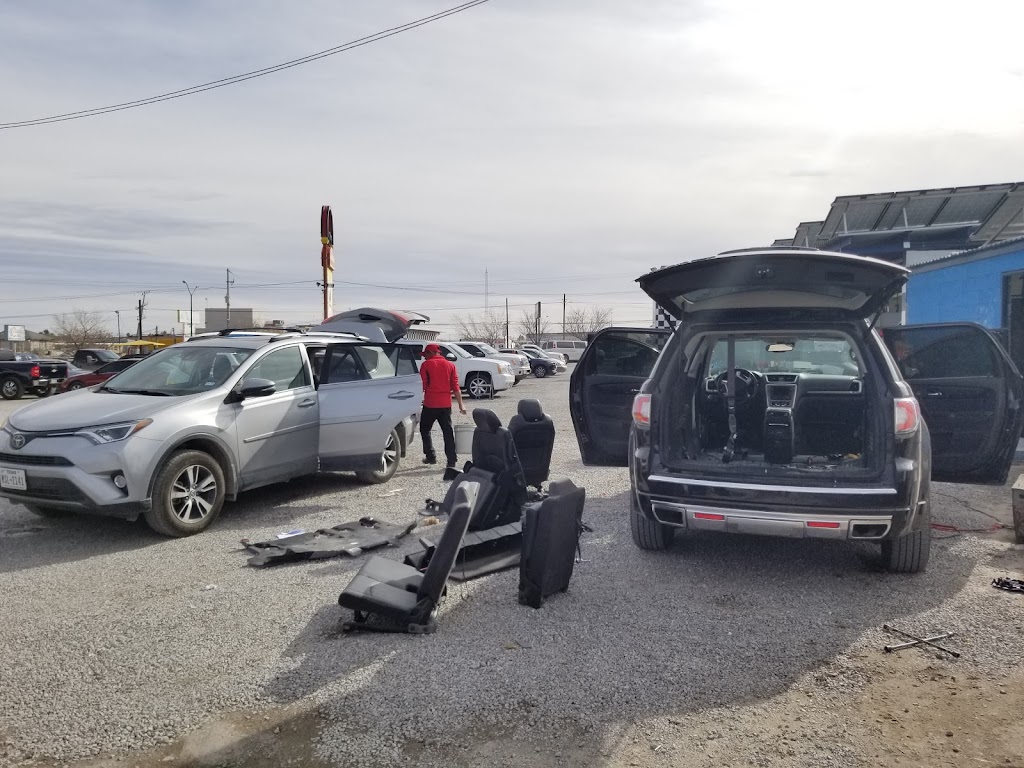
124	649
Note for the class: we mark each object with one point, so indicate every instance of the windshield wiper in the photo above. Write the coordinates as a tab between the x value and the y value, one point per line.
152	392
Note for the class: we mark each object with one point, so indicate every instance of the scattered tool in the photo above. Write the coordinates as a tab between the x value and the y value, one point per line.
929	641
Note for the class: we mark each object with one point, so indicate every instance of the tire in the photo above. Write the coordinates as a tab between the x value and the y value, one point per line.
478	385
11	389
75	385
173	511
45	392
540	371
48	512
648	534
389	460
910	552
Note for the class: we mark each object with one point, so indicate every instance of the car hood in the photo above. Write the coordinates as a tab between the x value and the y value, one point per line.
776	280
87	408
381	325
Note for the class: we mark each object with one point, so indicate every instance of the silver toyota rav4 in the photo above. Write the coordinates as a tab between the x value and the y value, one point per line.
180	431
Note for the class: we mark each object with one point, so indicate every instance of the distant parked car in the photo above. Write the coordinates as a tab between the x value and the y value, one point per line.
573	350
551	354
91	359
520	363
37	376
540	365
92	378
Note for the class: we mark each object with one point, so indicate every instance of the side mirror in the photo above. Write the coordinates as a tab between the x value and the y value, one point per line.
252	388
451	357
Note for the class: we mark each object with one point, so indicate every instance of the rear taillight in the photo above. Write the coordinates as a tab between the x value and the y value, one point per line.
908	416
34	373
642	410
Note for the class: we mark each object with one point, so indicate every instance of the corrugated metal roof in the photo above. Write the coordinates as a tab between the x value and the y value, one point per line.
992	249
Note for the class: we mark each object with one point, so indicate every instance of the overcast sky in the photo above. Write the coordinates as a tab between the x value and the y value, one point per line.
566	146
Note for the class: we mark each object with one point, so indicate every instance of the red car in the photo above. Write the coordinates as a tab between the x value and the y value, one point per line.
92	378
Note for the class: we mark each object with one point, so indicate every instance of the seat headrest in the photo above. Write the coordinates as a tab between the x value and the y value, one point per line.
531	410
486	419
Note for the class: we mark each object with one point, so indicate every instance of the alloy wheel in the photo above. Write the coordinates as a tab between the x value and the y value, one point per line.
193	493
390	455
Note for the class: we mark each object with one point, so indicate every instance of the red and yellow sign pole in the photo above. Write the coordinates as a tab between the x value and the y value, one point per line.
327	258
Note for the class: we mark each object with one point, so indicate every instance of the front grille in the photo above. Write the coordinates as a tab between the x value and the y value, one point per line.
54	488
35	461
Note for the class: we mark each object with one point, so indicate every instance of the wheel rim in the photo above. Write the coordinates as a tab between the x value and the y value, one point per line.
478	387
76	385
390	456
193	494
541	372
10	388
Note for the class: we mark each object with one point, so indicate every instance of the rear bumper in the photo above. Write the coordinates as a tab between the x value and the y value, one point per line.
798	525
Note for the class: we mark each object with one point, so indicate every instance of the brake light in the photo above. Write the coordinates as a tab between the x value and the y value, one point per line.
642	410
707	516
822	524
908	416
34	373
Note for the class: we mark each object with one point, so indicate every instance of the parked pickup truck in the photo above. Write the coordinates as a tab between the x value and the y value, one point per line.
38	376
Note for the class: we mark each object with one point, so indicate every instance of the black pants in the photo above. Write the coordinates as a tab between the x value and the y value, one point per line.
442	416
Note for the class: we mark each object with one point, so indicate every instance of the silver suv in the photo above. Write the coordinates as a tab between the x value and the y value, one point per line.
184	429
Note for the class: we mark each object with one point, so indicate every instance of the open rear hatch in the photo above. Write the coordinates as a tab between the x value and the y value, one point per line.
840	285
380	325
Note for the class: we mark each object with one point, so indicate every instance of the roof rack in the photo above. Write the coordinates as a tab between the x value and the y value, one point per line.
268	331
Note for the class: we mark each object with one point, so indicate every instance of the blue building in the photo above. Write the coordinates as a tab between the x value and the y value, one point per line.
983	285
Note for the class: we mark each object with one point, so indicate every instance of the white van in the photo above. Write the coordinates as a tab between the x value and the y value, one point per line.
573	350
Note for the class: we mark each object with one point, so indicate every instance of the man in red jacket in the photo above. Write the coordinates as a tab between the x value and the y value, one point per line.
440	383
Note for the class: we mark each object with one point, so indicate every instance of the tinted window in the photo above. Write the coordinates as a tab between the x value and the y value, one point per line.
942	352
116	366
285	367
791	355
344	365
626	354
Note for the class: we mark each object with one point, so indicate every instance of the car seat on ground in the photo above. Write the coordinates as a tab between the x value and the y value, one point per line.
533	433
387	596
551	535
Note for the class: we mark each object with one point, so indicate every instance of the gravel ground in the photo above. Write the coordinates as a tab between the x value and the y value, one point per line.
725	651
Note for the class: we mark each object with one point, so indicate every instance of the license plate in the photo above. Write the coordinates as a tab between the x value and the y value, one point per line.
13	479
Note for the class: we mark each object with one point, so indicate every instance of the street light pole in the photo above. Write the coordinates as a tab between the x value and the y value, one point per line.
118	313
191	320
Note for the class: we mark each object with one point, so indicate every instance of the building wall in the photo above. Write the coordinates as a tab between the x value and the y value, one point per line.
962	292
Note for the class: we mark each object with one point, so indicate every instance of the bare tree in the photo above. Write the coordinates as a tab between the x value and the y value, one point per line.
81	328
488	327
531	328
582	322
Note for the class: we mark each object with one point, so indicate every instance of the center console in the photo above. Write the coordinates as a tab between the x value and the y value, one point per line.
779	429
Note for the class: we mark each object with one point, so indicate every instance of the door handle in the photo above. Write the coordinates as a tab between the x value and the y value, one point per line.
400	395
307	402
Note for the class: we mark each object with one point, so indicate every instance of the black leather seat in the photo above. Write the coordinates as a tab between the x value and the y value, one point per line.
401	598
533	433
496	467
551	534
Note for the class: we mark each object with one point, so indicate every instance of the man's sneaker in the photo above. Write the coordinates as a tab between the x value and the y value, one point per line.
429	460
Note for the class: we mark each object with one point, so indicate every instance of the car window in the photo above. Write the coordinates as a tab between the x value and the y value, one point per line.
377	363
105	355
455	350
285	367
626	354
942	352
345	365
831	356
487	349
580	344
115	367
403	358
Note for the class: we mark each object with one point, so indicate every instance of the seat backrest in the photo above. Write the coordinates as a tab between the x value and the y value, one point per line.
494	452
447	549
533	433
491	442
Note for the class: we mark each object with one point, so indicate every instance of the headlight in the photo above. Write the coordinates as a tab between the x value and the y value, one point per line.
506	368
112	433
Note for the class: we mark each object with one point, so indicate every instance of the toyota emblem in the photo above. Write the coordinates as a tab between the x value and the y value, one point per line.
18	442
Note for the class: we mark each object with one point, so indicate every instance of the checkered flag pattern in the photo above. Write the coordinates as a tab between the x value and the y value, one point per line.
662	319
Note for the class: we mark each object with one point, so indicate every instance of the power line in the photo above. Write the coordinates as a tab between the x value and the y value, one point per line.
377	36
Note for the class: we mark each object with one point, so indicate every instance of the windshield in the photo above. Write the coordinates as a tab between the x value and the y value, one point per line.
179	370
458	351
830	356
487	349
106	355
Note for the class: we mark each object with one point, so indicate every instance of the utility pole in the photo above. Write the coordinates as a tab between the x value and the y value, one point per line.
191	319
327	258
486	291
563	315
139	338
536	332
118	313
508	334
228	282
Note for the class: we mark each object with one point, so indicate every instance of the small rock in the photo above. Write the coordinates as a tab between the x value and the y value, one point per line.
168	759
949	733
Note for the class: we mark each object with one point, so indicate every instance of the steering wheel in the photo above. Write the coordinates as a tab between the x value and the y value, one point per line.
747	385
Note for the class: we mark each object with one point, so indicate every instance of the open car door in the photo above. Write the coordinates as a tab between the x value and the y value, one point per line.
604	382
970	394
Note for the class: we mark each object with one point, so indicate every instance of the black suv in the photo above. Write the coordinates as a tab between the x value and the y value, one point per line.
776	408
